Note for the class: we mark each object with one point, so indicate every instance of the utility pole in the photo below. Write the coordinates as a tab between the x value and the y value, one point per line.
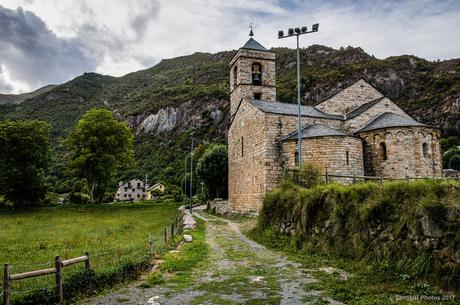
297	32
191	175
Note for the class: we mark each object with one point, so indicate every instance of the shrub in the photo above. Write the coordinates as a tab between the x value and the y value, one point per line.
310	174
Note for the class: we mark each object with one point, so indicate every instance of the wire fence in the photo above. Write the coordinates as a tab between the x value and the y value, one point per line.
57	281
327	177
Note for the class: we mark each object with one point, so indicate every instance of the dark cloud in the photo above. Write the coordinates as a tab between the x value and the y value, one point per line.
35	55
140	22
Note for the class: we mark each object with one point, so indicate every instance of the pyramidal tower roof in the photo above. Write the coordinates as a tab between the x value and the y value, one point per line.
252	44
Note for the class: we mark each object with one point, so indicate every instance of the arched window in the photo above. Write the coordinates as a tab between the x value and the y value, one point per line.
425	150
235	75
383	150
348	157
256	74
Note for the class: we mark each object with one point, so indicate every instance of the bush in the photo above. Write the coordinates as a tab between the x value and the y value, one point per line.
310	174
79	198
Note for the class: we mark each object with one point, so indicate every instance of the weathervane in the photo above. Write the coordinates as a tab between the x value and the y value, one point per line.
252	27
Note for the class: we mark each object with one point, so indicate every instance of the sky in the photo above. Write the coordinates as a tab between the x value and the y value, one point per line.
52	41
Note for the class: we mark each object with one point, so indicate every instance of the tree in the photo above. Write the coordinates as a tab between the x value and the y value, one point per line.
24	159
454	162
212	168
448	155
99	145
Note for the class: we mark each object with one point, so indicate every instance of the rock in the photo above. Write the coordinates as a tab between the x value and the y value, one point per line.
430	228
456	257
327	223
189	221
188	238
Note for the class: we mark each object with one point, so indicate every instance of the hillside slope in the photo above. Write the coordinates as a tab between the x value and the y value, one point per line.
19	98
162	102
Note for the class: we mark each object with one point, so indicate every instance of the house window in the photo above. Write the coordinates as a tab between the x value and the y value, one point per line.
383	150
242	146
256	74
125	195
425	150
257	95
126	189
138	185
235	75
133	190
348	158
129	195
138	196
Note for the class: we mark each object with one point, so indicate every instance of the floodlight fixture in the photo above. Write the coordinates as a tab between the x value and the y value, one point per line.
291	31
280	34
304	29
315	27
297	30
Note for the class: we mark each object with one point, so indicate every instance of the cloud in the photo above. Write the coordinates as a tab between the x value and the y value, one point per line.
52	41
35	55
4	85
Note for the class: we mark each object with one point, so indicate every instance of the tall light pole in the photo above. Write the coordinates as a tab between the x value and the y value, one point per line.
291	33
191	174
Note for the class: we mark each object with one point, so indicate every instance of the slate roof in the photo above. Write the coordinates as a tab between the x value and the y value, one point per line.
315	130
291	109
390	119
357	111
253	45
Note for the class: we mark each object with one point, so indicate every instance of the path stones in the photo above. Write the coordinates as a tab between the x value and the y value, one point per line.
189	221
188	238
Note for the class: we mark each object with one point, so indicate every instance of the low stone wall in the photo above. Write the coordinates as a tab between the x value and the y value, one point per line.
413	227
218	206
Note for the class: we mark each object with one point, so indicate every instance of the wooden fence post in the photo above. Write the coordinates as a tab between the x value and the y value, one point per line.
6	284
172	230
166	235
59	282
150	245
88	272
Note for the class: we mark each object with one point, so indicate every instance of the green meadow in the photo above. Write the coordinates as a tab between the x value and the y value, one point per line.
115	235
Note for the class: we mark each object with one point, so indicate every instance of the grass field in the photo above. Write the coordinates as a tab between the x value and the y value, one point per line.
113	234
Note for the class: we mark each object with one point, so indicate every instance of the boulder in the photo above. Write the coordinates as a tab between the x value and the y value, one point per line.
188	238
430	228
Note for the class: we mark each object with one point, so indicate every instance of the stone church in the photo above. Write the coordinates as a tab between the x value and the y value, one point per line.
355	132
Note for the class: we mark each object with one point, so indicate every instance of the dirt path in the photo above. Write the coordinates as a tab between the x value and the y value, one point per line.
237	271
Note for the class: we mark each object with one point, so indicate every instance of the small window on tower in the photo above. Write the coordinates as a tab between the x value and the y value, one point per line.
348	158
296	158
242	147
256	74
257	95
235	75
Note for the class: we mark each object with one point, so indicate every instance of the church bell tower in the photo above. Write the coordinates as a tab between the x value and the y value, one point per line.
252	74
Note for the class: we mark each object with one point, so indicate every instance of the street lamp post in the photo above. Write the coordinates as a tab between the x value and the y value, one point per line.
191	175
291	33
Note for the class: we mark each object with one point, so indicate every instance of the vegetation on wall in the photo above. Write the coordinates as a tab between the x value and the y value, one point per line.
410	227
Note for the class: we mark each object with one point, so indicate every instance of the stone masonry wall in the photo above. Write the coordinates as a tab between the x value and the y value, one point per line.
404	151
385	105
276	127
246	172
329	153
350	98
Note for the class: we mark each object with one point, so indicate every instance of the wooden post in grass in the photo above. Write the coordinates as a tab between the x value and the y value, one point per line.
150	245
166	235
88	272
59	282
6	284
172	230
